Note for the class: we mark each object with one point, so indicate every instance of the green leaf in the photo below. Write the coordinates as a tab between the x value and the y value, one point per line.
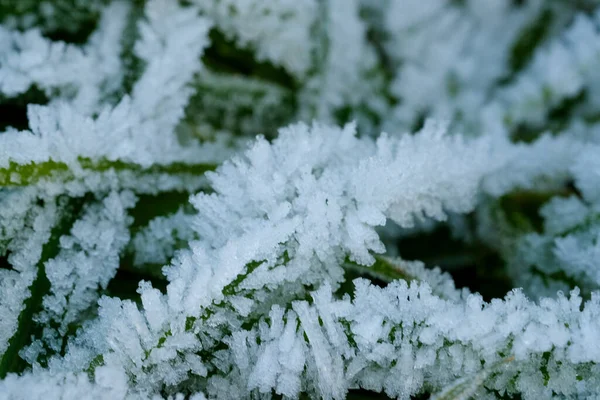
383	269
529	39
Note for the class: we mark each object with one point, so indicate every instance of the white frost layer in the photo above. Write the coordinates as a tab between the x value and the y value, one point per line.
29	227
400	339
321	191
91	71
450	56
560	70
138	129
88	259
314	196
108	384
156	243
279	31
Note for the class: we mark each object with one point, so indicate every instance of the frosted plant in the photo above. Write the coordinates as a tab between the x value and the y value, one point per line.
88	258
197	200
303	60
253	261
57	66
347	75
561	252
447	67
69	151
559	72
156	243
258	106
24	232
132	135
62	17
279	31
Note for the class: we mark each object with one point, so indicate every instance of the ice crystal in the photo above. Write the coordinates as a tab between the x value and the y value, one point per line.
287	199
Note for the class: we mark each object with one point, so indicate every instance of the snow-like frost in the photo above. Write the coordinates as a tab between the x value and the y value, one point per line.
255	299
139	129
447	65
88	259
280	31
157	242
108	384
93	71
27	227
319	186
559	71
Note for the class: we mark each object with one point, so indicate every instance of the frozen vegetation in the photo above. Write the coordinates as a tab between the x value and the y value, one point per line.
229	199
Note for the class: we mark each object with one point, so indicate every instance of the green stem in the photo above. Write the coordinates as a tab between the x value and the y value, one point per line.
26	174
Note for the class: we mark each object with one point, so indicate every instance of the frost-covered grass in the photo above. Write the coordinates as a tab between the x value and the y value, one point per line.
226	199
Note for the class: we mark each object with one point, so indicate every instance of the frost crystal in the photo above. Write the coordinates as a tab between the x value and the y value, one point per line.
253	199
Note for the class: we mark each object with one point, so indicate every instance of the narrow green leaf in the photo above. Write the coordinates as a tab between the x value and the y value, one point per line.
382	269
26	328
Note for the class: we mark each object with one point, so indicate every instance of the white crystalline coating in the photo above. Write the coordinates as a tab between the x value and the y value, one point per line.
138	342
16	207
385	335
156	243
279	31
19	70
586	171
26	247
138	129
341	187
447	65
431	161
109	383
61	134
560	70
328	363
319	186
257	304
578	254
317	194
463	388
345	62
88	259
480	330
562	214
542	165
92	71
441	283
566	250
105	44
154	307
322	183
172	39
